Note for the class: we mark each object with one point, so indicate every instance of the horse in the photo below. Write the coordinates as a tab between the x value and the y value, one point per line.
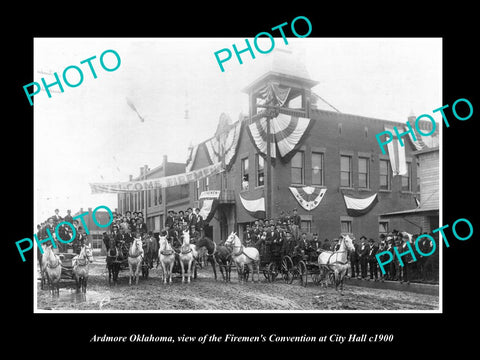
244	256
80	267
151	253
113	260
223	256
52	267
336	261
188	255
166	256
135	258
207	247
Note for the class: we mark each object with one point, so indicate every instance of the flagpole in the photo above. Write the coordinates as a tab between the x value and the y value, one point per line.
268	170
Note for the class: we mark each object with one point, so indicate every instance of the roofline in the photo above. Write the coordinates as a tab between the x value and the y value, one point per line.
412	212
255	82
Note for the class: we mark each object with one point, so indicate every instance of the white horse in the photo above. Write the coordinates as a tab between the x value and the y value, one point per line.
135	258
52	267
80	267
243	256
188	254
166	254
336	261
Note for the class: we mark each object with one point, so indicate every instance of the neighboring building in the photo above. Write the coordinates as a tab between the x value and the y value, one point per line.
95	236
426	215
337	152
155	203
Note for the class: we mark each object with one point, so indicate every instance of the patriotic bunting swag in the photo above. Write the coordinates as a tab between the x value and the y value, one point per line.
358	206
227	144
287	132
396	154
255	208
308	197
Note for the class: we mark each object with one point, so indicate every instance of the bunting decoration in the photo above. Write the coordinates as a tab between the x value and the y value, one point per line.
208	209
396	154
308	197
418	144
255	208
273	93
164	182
359	206
226	145
287	132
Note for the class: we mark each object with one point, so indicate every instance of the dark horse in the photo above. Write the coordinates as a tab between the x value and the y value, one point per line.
150	249
114	259
223	256
207	246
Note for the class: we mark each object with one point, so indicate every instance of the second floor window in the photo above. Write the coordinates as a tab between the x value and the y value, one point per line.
346	171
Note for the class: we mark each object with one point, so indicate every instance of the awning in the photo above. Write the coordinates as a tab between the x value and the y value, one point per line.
412	212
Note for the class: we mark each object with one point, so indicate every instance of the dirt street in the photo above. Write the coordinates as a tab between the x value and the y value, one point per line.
205	293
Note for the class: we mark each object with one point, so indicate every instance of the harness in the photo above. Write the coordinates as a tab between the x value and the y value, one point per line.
241	252
54	266
185	249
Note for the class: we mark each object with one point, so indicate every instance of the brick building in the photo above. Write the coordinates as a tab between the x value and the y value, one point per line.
154	203
337	152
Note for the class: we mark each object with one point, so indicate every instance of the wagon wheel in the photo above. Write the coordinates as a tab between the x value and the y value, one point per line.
273	271
286	269
303	272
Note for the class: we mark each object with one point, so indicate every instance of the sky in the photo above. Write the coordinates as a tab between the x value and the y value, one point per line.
89	133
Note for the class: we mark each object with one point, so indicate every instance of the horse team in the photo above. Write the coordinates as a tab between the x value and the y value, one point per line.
246	260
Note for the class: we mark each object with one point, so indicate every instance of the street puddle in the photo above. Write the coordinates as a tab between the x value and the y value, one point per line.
71	296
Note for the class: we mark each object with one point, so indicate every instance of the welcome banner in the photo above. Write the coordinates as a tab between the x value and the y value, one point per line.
164	182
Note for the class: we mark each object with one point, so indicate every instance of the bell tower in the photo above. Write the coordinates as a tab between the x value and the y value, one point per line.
284	86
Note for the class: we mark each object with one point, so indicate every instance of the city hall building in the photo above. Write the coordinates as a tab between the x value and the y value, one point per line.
326	164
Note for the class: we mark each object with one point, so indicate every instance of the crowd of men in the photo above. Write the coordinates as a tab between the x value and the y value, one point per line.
283	236
64	231
273	237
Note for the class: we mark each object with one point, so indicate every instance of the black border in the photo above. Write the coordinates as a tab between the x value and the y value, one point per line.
422	332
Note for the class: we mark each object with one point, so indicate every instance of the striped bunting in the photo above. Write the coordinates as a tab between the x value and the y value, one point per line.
287	132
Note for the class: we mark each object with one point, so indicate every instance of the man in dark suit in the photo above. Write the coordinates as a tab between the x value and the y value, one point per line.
354	262
169	221
69	217
363	251
249	238
372	260
199	224
295	224
141	226
57	218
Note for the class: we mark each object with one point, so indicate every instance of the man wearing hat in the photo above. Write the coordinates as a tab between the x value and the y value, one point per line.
296	222
363	256
372	260
169	220
381	248
57	218
69	217
315	245
354	264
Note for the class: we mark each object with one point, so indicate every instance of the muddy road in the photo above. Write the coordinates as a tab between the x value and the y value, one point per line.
204	293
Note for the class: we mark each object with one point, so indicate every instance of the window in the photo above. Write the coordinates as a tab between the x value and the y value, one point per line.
306	226
317	168
206	184
297	164
244	173
407	179
383	227
260	170
363	173
197	189
418	177
385	180
346	226
97	241
345	171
